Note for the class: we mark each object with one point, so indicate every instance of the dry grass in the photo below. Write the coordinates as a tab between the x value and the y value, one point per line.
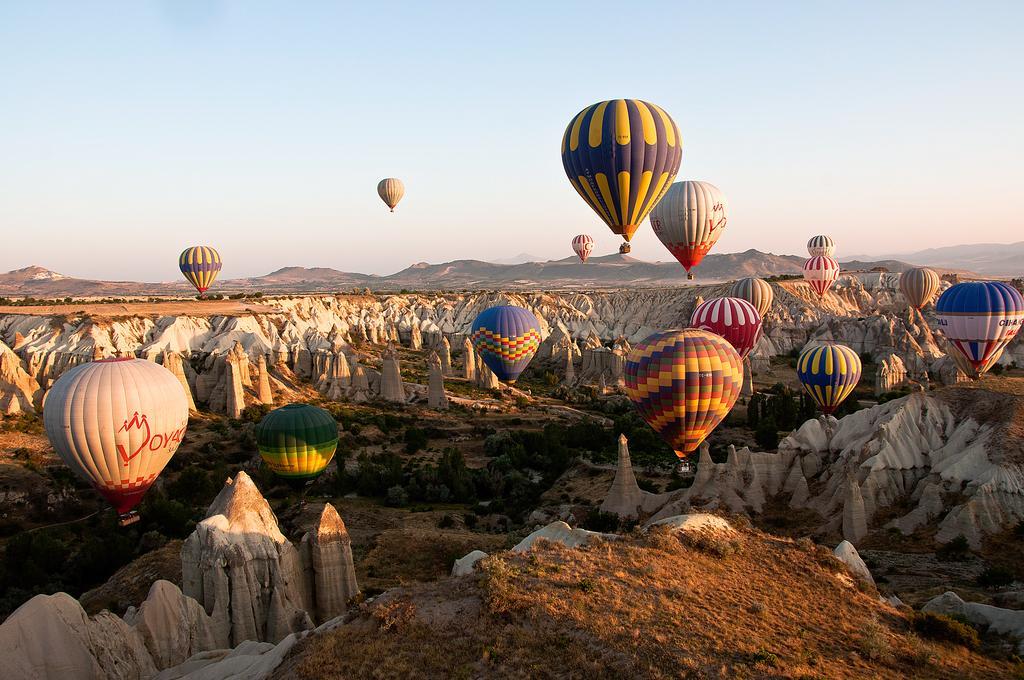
650	607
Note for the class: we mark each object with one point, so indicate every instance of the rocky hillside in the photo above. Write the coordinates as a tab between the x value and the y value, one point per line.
691	595
600	272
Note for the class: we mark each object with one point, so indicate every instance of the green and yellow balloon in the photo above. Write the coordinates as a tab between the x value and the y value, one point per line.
297	441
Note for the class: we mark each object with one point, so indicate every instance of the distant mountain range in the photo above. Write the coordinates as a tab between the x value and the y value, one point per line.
608	271
986	259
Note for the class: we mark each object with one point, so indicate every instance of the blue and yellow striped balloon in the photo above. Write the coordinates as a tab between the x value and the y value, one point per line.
621	157
200	265
829	373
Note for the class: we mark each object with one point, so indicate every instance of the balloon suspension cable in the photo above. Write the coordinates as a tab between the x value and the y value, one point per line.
60	524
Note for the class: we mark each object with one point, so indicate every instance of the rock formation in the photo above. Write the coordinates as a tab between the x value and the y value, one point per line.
19	391
444	351
468	361
464	565
173	626
263	392
360	390
485	377
560	532
848	555
415	337
436	398
172	362
624	498
997	620
50	636
890	374
391	388
570	372
328	551
243	571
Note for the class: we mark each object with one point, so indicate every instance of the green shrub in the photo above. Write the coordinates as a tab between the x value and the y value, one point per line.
945	629
956	550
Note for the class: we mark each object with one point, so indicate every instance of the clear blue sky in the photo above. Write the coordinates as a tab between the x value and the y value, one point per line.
129	130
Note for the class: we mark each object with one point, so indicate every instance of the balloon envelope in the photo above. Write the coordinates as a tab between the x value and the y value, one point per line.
297	441
683	383
821	245
734	319
116	423
980	318
755	291
621	156
829	373
689	220
583	245
200	265
821	271
391	190
506	338
919	285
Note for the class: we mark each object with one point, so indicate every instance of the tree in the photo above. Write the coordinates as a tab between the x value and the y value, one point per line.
767	434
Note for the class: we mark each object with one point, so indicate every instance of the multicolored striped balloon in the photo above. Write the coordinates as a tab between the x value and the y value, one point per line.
689	220
297	441
821	271
683	383
919	286
583	245
980	318
621	157
829	373
821	245
200	265
734	319
116	423
506	338
755	291
390	190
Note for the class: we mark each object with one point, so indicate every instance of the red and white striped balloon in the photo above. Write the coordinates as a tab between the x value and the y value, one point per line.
821	272
583	245
734	319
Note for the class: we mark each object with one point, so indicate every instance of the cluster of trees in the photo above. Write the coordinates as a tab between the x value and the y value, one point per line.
777	409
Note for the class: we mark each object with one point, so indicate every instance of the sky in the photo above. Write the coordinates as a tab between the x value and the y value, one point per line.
131	130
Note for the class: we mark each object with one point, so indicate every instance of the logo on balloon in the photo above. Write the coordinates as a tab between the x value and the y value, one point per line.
154	442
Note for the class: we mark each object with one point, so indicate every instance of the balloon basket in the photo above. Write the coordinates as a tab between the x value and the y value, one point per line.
128	518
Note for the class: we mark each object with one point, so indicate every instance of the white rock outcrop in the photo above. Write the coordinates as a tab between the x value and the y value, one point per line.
328	551
848	555
436	397
51	637
997	620
464	565
560	532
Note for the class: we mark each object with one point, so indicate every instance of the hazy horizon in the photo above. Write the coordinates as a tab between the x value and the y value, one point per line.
262	130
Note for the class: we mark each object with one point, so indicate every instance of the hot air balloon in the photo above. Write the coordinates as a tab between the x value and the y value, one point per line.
297	441
821	271
621	157
391	190
980	318
689	220
583	245
919	286
755	291
116	423
506	338
821	245
200	265
734	319
683	383
829	373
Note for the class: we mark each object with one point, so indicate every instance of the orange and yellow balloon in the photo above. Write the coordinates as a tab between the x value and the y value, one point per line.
683	383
